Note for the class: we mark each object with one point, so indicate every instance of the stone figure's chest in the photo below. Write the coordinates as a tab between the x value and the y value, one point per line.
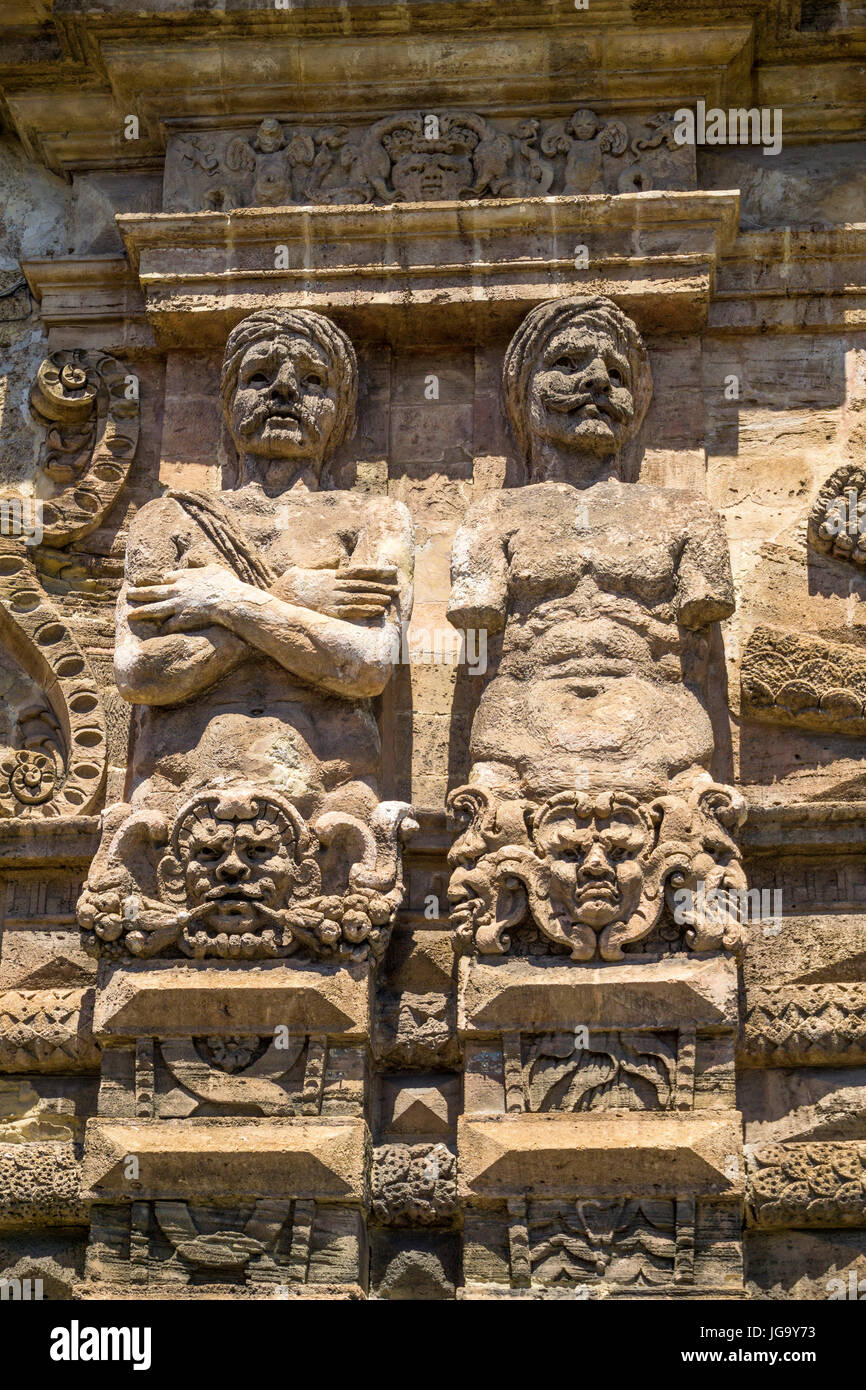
623	548
304	535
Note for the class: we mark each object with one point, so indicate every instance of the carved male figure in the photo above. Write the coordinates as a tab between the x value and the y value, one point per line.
254	627
605	588
605	591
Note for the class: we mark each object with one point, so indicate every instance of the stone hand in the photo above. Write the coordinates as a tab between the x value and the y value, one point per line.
353	593
187	599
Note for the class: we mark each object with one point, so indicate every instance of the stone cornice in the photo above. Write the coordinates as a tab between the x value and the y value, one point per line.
809	279
816	827
398	269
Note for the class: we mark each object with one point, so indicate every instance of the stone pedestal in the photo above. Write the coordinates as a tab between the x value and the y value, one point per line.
599	1147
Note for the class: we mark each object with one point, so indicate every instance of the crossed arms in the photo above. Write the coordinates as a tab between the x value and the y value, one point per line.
179	630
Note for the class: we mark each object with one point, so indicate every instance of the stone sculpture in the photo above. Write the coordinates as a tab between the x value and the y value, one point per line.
253	630
590	796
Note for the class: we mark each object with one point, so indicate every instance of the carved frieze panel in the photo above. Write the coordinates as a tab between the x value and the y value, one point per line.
632	1241
804	682
615	1071
631	1246
234	1074
255	1245
424	156
591	1069
806	1025
807	1184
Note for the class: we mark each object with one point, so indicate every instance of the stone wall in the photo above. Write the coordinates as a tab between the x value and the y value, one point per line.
472	836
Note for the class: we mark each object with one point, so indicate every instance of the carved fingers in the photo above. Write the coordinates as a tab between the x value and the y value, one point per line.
184	599
353	594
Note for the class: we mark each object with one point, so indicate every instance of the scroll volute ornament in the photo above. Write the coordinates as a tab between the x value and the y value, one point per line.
88	402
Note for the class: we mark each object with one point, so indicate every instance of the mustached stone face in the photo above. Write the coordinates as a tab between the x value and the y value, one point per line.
580	393
235	866
594	874
284	405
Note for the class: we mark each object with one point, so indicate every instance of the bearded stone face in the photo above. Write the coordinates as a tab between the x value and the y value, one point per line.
284	404
236	866
580	393
595	876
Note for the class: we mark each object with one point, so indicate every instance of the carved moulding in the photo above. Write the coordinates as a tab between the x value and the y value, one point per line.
59	770
804	682
239	874
425	156
671	865
807	1184
837	521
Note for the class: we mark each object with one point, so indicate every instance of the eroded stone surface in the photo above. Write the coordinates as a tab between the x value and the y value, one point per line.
500	458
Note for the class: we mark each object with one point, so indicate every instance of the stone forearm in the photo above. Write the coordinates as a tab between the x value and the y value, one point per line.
168	670
341	657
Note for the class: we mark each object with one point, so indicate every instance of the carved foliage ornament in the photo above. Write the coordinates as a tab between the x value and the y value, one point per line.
595	873
808	1184
239	875
804	682
417	156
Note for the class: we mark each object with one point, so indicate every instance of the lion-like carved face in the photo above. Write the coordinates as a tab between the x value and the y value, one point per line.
593	859
235	867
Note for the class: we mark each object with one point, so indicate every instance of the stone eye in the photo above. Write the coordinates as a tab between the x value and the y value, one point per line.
615	376
314	380
258	380
564	364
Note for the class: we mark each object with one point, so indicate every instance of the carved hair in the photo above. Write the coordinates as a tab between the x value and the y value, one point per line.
267	325
539	326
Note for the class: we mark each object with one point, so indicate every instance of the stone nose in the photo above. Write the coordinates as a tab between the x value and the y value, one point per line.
232	869
285	383
595	865
596	375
